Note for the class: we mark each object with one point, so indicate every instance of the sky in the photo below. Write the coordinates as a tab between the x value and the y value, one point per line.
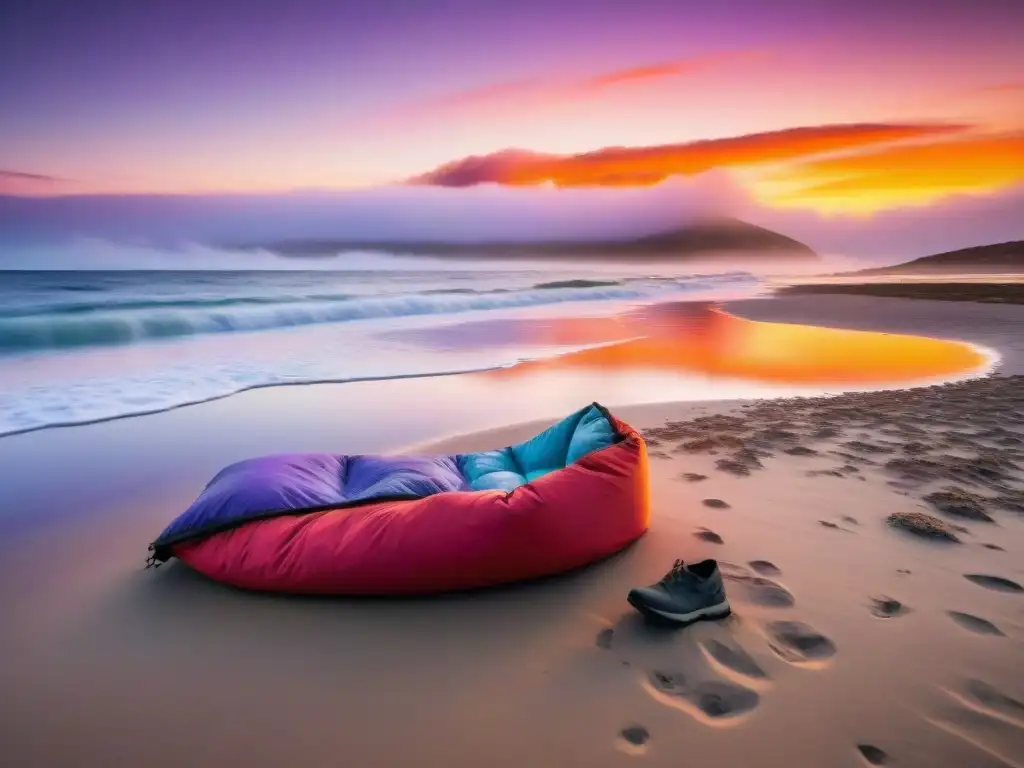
835	108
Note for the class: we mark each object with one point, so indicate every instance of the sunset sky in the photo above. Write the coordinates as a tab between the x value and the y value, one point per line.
831	106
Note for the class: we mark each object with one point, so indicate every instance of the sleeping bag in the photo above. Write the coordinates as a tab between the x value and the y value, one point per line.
400	525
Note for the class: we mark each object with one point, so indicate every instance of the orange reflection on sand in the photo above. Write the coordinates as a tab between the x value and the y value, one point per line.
704	339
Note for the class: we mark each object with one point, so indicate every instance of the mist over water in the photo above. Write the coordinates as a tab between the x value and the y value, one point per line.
197	231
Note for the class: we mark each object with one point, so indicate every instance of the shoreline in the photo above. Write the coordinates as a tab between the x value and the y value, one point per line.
242	391
994	359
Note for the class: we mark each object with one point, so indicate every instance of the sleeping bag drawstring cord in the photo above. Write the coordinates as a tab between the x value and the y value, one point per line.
151	561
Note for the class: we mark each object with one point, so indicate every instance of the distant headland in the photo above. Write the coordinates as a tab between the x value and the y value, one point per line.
703	240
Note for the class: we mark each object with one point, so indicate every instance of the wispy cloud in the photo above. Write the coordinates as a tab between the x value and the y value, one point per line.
643	166
530	91
486	94
42	178
651	72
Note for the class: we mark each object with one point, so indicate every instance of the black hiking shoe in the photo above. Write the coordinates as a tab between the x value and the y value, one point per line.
686	594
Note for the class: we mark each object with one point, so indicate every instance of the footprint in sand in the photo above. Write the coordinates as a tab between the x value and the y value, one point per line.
834	526
708	535
633	739
716	504
767	592
757	589
765	568
713	701
990	698
997	583
734	658
975	623
985	717
872	754
797	642
995	547
604	639
692	477
885	607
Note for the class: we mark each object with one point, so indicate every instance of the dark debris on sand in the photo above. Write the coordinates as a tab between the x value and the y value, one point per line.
774	436
861	446
959	407
1012	501
709	443
923	525
824	473
956	502
987	469
968	433
800	450
855	458
741	463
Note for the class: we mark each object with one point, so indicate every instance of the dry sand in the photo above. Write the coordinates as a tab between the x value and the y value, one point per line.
854	641
873	547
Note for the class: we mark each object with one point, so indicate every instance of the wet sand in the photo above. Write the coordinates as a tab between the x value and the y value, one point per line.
878	617
995	293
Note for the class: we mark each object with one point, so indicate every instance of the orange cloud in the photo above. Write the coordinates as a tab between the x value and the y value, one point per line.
911	173
642	166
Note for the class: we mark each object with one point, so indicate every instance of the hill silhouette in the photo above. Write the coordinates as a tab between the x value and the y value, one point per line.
1005	257
704	240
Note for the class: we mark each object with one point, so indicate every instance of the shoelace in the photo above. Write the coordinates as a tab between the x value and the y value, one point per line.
678	573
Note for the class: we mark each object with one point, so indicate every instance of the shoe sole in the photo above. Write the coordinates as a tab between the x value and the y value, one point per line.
711	613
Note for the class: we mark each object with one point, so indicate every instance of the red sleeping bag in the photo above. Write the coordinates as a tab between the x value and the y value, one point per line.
401	531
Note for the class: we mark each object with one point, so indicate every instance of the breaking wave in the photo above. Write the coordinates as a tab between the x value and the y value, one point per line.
58	325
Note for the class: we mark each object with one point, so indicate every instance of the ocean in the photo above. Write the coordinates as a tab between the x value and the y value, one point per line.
85	346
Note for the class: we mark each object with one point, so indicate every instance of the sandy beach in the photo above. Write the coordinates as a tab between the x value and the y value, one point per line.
872	545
